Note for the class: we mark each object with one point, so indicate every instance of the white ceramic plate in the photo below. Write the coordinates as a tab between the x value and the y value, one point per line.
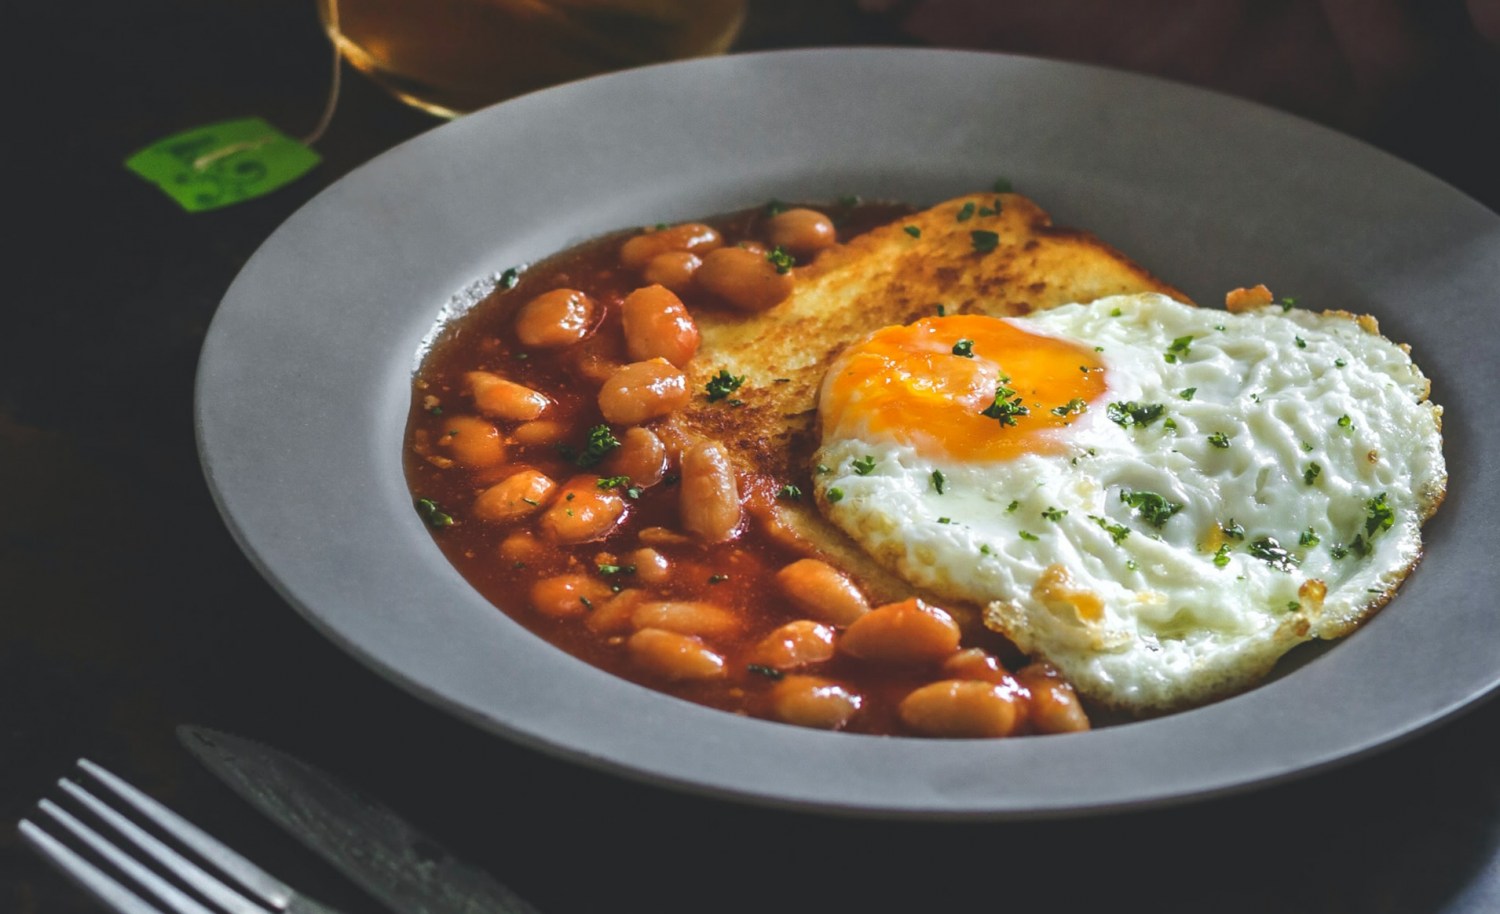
304	384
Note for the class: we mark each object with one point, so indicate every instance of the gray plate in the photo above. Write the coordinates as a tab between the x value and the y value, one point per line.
304	383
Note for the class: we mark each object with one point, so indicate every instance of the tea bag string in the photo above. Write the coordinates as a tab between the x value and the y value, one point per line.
335	82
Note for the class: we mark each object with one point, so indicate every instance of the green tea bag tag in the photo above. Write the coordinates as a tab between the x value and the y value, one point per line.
222	164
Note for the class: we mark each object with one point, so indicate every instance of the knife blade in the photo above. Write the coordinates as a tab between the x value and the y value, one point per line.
362	838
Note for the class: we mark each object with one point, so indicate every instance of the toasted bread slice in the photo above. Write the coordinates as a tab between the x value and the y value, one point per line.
891	275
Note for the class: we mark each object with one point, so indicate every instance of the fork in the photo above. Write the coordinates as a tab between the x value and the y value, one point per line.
193	889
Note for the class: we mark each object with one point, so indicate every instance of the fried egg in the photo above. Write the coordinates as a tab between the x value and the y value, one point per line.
1159	499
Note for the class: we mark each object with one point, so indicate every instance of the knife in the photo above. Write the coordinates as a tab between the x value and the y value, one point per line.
362	838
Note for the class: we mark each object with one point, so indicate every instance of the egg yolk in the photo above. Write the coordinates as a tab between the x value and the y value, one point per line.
967	386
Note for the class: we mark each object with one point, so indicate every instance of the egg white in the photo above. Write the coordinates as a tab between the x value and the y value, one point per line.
1327	425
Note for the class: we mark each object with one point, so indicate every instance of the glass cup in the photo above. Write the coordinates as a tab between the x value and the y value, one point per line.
450	57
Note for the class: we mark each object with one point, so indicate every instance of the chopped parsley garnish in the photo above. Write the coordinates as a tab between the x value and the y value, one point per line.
432	514
609	570
790	492
964	348
770	672
1179	348
984	241
1117	532
942	311
1054	514
509	278
1115	312
1233	530
1152	508
1221	558
1006	407
1346	423
781	260
992	210
1029	537
1311	474
722	385
588	604
1187	393
1292	606
1271	552
1169	424
984	548
1218	439
1010	508
1133	413
864	466
939	480
966	212
913	231
1288	304
1339	363
611	482
1308	538
835	495
1075	405
600	443
1338	551
945	520
1301	343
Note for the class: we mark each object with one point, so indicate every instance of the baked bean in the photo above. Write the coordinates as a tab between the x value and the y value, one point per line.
809	701
522	546
674	269
686	618
1055	707
743	278
502	399
822	591
613	617
693	237
673	655
641	456
962	709
801	231
642	391
554	319
709	501
582	512
540	431
977	663
907	632
657	326
564	596
473	441
793	645
651	567
518	495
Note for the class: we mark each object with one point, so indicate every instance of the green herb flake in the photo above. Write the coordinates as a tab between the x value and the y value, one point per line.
1311	474
1308	538
722	385
601	442
863	466
717	578
1115	312
966	212
1117	532
609	570
1292	606
1221	557
984	548
942	311
611	482
1054	514
781	260
1232	530
1154	509
1179	348
1219	439
939	480
1268	550
945	520
1011	508
1346	423
1301	343
434	515
1288	304
1006	406
770	672
913	231
1378	515
1029	537
789	492
984	241
1132	413
964	348
509	278
1339	363
1187	393
1075	405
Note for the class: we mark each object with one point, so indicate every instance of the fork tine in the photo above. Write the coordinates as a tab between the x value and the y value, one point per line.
257	881
171	896
90	877
202	881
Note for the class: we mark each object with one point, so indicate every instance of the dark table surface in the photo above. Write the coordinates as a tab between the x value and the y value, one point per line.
126	609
